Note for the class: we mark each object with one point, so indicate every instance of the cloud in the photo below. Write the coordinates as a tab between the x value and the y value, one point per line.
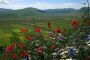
42	5
59	5
4	2
14	6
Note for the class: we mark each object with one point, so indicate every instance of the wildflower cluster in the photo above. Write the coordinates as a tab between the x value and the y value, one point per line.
54	44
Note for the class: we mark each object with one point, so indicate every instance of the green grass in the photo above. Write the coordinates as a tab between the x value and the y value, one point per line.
8	30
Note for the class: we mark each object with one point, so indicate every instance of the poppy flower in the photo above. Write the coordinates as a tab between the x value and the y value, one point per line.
49	25
28	38
38	29
24	53
23	30
20	45
9	48
53	46
14	56
57	30
40	50
74	23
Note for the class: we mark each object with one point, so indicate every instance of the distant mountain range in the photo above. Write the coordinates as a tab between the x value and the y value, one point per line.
32	12
65	10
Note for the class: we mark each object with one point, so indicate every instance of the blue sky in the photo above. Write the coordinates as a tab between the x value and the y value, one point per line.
41	4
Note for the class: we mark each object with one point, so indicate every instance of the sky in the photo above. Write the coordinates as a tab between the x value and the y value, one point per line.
41	4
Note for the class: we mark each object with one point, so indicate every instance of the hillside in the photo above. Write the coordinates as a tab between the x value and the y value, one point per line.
33	12
65	10
29	12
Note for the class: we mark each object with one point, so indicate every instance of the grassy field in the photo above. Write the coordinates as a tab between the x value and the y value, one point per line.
10	34
11	27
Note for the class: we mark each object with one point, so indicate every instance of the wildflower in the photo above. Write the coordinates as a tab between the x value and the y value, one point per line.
74	23
70	51
20	45
53	46
24	53
40	50
23	30
88	37
61	37
49	25
57	30
9	48
14	56
38	29
51	34
28	38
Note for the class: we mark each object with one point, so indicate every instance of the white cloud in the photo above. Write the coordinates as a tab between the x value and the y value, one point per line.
14	6
4	2
60	5
42	5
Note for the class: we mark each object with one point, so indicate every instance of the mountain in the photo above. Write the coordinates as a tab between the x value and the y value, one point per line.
33	12
5	10
65	10
29	12
7	13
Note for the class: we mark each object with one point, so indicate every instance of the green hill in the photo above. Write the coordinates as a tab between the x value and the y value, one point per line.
5	14
29	12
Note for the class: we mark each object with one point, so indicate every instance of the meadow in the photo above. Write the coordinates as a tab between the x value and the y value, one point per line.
7	28
30	37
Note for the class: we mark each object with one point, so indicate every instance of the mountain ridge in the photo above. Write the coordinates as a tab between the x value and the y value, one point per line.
33	12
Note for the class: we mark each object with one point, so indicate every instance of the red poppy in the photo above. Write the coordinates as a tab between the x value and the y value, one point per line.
49	25
14	56
53	46
24	53
9	48
40	50
57	30
21	45
23	30
74	23
38	29
28	38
